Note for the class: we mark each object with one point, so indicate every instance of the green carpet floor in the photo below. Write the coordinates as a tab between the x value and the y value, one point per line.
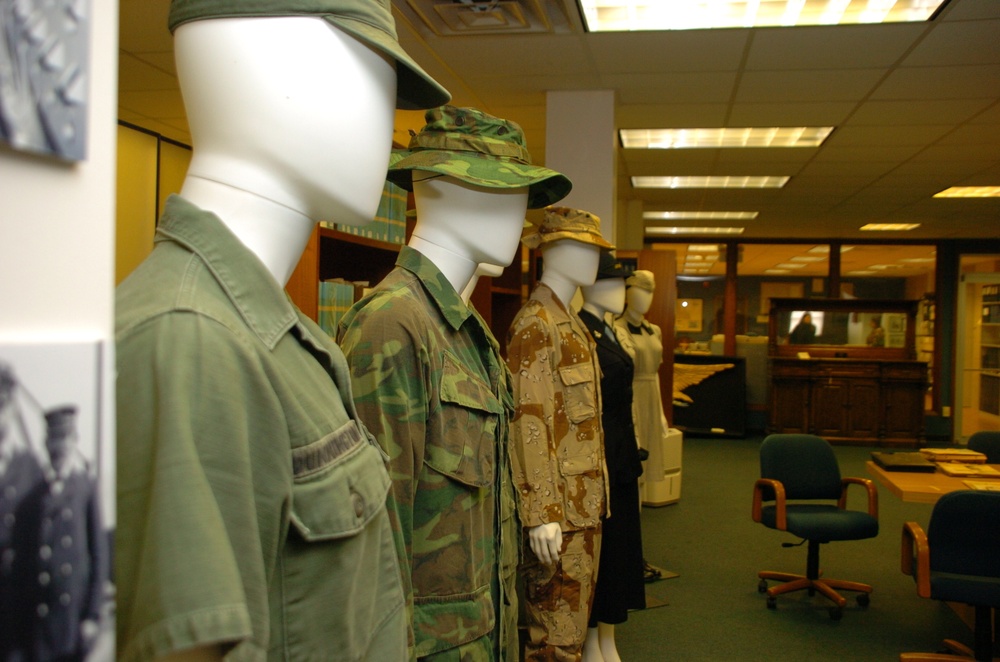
712	610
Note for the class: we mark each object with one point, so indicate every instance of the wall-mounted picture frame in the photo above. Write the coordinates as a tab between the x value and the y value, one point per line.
688	315
44	72
57	501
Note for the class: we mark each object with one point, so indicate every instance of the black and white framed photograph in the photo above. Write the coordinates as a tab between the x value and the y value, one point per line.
44	71
55	546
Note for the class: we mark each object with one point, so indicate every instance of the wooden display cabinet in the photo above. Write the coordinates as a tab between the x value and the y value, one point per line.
844	390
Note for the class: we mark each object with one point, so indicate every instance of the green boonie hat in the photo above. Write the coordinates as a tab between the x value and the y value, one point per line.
480	149
565	223
609	266
642	279
367	20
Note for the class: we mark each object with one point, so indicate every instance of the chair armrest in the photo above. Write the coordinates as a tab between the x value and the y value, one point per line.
779	500
915	548
869	487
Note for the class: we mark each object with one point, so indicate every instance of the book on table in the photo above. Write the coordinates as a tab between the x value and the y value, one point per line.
968	469
965	455
903	461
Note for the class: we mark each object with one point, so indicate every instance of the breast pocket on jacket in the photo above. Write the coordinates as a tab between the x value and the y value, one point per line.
468	421
579	393
340	532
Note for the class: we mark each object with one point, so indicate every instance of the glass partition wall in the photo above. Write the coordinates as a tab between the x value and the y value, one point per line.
798	270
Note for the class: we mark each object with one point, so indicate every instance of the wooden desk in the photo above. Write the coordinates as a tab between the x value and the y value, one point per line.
919	487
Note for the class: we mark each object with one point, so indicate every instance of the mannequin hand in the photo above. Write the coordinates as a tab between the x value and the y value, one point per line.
546	541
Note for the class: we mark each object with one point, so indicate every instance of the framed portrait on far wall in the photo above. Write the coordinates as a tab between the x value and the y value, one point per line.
44	72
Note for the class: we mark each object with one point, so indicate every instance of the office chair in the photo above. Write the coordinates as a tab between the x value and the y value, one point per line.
800	475
987	443
958	560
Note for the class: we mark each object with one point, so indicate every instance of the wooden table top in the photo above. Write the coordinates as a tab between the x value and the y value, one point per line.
917	487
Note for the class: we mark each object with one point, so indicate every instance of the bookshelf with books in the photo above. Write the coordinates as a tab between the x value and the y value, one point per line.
989	376
339	264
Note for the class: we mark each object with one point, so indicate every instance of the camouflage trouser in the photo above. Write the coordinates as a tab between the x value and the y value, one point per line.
558	598
477	650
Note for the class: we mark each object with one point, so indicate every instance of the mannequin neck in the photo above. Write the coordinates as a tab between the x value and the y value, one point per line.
633	316
597	311
273	232
457	269
563	288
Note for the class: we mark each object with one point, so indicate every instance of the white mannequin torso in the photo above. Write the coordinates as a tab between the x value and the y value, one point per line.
568	264
460	226
291	123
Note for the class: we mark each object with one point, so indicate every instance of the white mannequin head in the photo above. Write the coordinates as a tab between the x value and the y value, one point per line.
461	226
606	295
291	109
569	264
638	300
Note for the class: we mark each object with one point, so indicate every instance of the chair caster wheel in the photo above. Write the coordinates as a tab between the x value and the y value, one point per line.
836	613
762	586
864	599
772	603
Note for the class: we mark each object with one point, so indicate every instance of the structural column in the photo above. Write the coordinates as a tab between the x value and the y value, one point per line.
580	142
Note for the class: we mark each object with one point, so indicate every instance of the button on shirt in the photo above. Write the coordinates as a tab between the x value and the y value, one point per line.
431	385
251	501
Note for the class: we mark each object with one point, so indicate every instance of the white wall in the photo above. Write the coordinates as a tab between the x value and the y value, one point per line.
57	233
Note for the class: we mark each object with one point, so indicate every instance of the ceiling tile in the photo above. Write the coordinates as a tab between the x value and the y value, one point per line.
831	47
798	86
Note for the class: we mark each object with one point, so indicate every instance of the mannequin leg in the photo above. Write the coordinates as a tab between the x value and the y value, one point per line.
592	650
606	636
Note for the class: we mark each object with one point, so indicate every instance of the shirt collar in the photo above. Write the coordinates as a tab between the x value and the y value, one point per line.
452	308
260	300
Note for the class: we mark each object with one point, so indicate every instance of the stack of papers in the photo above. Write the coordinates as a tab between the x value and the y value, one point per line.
967	469
988	485
954	455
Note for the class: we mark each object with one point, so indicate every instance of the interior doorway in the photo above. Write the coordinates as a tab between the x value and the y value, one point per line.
977	388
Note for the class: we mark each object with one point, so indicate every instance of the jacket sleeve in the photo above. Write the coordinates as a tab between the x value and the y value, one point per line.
533	439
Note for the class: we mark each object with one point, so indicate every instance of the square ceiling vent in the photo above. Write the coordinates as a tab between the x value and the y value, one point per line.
464	17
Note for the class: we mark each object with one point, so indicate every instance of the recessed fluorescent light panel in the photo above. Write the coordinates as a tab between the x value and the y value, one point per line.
678	230
970	192
720	181
788	136
699	215
629	15
890	227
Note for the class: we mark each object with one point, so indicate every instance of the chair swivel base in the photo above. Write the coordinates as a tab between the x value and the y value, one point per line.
826	587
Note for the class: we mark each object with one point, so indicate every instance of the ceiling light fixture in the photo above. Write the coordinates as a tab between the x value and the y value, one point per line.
775	136
629	15
699	215
890	227
703	248
718	181
680	230
970	192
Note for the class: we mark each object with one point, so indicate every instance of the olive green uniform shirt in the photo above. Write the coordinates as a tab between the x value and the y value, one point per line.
251	501
431	384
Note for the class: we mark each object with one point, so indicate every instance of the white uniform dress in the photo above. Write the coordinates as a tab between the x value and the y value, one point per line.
645	345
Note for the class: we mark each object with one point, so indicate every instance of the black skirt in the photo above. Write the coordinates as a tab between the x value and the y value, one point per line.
620	582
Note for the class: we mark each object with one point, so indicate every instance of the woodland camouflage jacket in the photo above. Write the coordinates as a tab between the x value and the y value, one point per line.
429	382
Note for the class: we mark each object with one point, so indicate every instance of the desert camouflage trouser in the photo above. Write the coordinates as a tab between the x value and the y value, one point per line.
558	598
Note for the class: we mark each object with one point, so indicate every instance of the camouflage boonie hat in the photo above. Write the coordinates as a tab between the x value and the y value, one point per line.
642	279
370	21
470	145
565	223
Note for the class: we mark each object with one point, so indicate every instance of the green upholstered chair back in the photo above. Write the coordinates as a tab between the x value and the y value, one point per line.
988	443
964	536
804	463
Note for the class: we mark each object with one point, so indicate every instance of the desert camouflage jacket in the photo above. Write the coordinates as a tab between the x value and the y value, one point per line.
557	446
429	382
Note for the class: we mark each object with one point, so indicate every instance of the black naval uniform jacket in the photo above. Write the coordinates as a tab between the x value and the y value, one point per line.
617	369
